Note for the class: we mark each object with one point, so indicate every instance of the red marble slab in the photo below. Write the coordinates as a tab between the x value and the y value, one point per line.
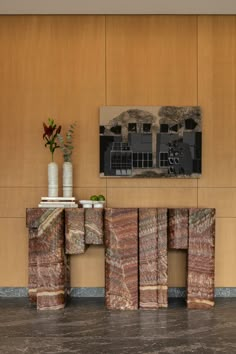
162	260
35	216
178	228
201	259
74	230
121	263
47	261
94	230
32	267
148	258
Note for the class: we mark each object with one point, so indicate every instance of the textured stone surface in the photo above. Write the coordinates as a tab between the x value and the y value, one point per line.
178	228
94	230
35	216
121	265
48	273
32	266
153	258
200	290
162	261
148	242
74	231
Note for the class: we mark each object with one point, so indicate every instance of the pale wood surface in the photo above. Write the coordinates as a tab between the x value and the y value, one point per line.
177	263
14	201
13	252
225	260
151	60
151	197
50	66
216	96
87	270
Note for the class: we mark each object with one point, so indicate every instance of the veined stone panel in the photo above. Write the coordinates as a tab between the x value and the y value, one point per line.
178	228
148	240
121	266
36	216
74	231
94	233
201	258
48	273
162	265
152	258
32	266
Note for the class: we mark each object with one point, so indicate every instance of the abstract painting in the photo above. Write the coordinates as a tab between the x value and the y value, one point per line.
150	141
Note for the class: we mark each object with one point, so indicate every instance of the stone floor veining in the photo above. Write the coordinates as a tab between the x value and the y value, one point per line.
86	327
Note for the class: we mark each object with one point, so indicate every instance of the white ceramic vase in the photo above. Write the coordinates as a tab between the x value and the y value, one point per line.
67	179
52	179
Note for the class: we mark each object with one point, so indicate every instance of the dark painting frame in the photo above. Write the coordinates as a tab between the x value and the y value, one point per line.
150	141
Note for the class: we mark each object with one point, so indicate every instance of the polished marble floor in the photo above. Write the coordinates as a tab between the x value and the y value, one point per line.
86	327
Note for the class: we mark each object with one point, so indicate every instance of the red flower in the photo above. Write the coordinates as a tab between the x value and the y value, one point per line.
50	133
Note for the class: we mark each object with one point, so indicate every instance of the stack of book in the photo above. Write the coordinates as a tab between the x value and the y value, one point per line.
58	202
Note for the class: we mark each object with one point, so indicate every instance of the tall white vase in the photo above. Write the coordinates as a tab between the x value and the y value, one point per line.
52	179
67	179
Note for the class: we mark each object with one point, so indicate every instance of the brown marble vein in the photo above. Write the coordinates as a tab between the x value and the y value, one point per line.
178	228
32	267
94	230
47	261
200	289
121	264
148	258
74	230
35	216
162	263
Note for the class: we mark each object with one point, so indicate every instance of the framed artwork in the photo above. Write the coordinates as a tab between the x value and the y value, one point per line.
150	142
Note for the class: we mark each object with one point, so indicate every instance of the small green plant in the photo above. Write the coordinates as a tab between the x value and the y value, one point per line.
50	133
66	145
99	197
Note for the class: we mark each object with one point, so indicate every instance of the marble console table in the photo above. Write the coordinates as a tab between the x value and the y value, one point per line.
136	241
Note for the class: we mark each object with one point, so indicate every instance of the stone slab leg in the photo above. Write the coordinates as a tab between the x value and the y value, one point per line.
153	268
74	230
33	268
200	287
47	251
148	242
178	228
121	263
94	230
162	261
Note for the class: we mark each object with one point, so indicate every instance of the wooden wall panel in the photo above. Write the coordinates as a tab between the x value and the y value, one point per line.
48	68
177	263
151	197
14	201
87	270
13	253
225	260
151	60
216	96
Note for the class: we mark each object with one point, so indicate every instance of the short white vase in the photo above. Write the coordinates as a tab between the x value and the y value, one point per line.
67	179
52	179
